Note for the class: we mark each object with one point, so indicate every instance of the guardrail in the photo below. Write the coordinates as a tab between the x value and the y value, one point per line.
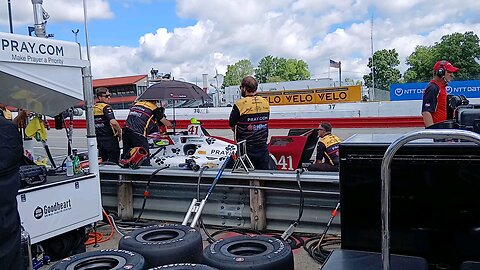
348	122
236	201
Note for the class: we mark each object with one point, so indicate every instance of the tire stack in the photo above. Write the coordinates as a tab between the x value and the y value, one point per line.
165	244
179	247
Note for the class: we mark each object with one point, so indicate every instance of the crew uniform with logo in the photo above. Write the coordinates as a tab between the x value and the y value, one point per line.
327	158
11	144
249	118
144	118
108	148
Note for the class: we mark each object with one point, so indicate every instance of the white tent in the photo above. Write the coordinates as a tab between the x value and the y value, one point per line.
39	74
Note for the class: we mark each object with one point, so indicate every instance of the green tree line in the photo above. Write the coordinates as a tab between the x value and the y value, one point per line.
270	69
462	50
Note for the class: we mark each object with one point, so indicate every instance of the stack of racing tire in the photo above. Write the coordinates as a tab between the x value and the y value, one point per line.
179	247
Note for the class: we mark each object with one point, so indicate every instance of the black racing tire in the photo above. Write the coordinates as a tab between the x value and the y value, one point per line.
165	244
102	259
184	266
257	252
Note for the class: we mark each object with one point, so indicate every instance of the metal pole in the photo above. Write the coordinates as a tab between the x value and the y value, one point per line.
385	176
373	67
10	16
38	18
76	41
88	95
340	73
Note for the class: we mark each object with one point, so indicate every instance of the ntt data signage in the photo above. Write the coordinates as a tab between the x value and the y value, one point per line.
413	91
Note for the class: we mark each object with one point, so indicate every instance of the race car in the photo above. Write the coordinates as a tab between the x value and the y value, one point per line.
190	149
196	148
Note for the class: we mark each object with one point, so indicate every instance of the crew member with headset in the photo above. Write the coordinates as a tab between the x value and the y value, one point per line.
327	159
144	117
434	104
107	129
10	143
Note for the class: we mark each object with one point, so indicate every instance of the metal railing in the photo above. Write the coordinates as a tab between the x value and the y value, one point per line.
385	176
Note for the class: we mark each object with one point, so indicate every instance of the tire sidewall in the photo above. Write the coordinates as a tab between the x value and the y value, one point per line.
127	259
278	255
185	247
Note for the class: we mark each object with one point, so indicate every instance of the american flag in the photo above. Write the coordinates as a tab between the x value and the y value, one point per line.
334	64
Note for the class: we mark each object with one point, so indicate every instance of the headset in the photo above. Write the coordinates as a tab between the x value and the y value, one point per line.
440	72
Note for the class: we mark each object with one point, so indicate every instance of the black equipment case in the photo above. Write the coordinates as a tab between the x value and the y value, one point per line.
435	210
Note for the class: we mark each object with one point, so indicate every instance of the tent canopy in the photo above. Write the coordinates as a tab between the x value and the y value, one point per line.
39	74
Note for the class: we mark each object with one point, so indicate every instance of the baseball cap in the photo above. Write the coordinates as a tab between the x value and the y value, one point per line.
446	65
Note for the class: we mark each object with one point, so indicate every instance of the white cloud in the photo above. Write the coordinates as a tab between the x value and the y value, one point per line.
59	11
311	30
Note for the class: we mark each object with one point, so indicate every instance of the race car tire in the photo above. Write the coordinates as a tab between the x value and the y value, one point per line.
184	266
102	259
165	244
256	252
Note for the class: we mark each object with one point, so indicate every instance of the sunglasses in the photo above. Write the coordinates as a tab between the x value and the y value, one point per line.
106	96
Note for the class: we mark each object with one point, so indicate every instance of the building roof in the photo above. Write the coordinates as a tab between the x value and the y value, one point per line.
127	80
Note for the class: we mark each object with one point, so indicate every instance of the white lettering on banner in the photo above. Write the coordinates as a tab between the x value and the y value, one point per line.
400	91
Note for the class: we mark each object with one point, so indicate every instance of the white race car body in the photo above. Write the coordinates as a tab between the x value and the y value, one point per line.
191	149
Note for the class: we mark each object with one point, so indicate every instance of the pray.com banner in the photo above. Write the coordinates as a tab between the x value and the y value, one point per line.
414	91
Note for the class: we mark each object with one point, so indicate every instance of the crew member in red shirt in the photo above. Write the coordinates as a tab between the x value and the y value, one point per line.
434	105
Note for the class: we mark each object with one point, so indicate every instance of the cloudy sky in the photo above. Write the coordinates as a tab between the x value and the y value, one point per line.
192	37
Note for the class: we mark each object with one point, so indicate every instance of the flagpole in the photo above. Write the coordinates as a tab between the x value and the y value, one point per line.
373	67
9	5
340	73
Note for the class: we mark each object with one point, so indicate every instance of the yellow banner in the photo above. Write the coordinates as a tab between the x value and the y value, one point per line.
313	96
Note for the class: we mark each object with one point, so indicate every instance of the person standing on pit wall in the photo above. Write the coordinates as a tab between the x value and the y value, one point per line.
327	159
144	117
434	101
249	121
107	129
11	144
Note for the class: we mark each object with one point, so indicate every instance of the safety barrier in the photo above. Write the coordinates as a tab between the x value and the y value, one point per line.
231	204
352	122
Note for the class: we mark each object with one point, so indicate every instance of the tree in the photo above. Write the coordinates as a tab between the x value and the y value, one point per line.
235	73
267	68
462	50
275	69
421	62
295	70
385	71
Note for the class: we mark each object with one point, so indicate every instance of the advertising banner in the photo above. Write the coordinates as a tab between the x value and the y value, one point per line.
414	91
313	96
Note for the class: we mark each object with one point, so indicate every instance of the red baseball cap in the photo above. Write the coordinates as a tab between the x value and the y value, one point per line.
446	65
